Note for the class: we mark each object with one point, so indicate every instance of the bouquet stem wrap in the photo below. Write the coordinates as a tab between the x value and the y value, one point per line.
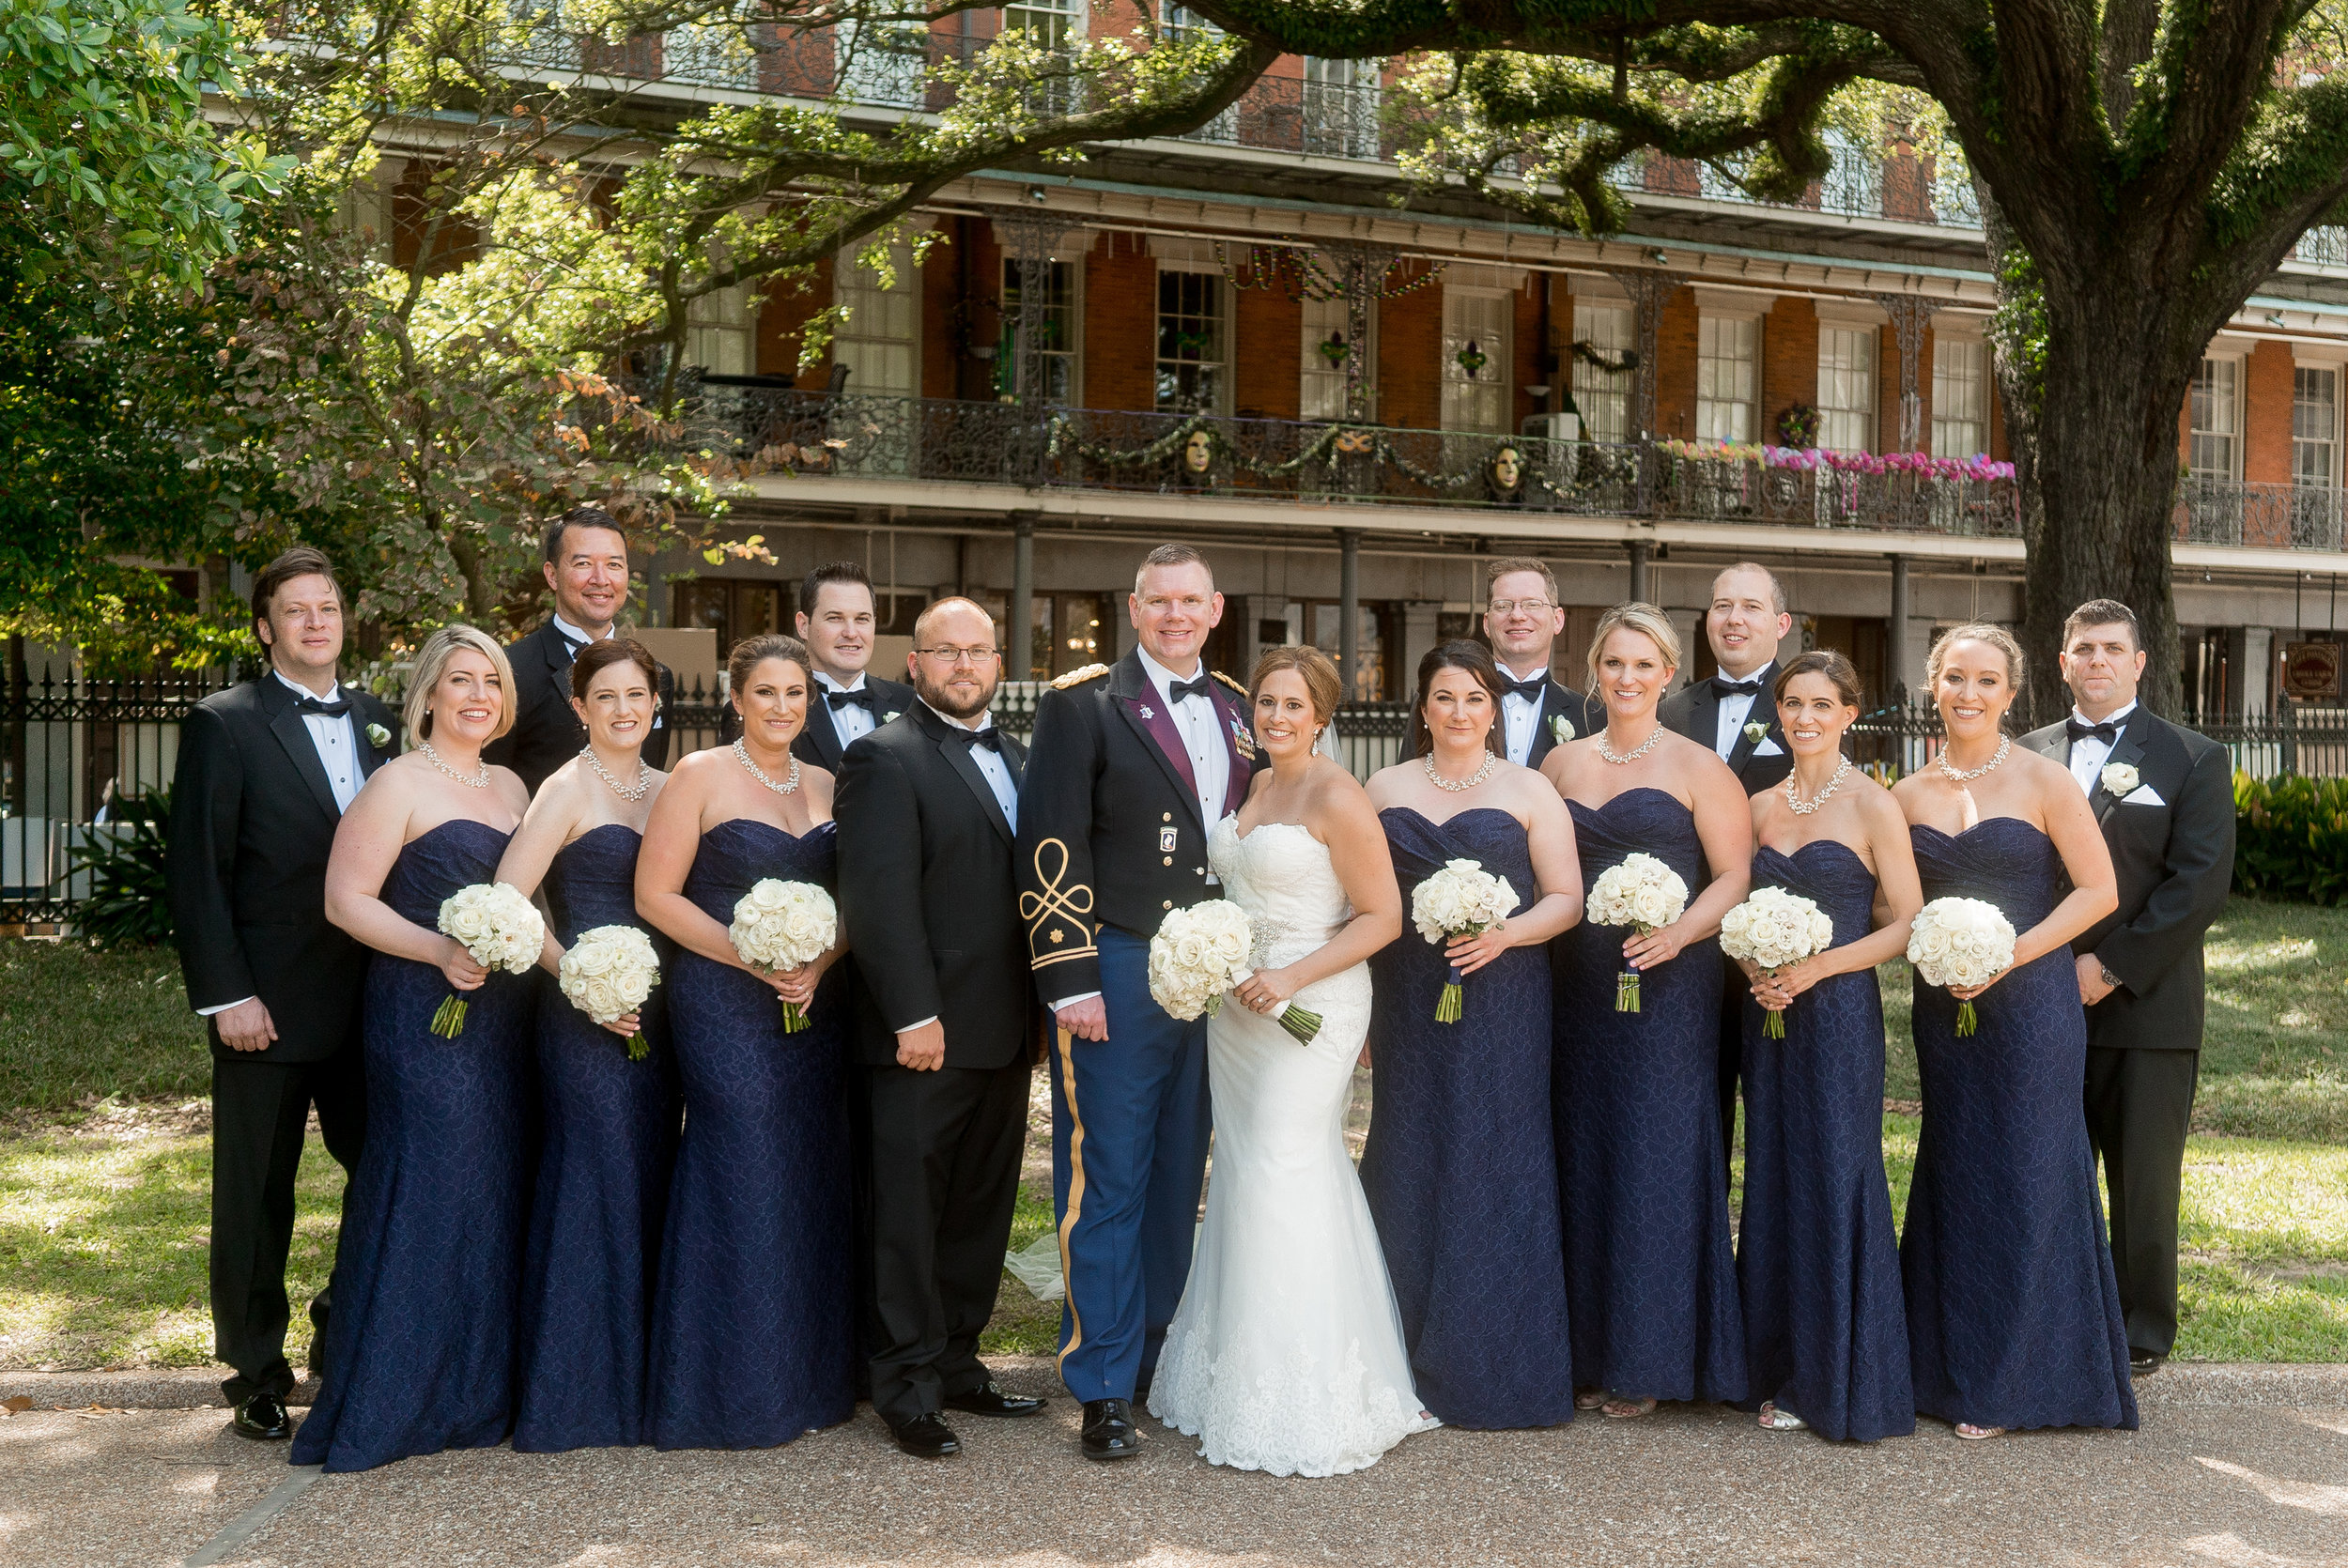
1626	990
499	927
1966	1020
1448	1004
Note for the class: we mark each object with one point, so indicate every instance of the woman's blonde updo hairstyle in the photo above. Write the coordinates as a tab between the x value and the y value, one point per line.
1644	618
415	715
2016	672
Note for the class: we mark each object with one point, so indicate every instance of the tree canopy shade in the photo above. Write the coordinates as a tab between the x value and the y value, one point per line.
2142	165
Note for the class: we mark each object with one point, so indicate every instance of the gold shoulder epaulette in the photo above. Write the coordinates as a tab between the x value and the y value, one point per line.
1078	677
1229	681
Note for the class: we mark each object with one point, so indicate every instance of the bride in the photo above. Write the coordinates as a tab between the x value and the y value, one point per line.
1286	1354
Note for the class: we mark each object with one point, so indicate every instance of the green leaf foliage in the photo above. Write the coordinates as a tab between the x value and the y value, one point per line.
2291	838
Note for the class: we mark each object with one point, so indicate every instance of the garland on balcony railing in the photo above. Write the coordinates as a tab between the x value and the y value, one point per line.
1809	459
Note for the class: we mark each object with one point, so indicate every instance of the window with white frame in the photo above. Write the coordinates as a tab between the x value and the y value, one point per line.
1846	388
1057	327
880	340
1475	359
2315	425
1053	26
1602	395
717	333
1321	375
2214	447
1194	342
1960	397
1728	377
1340	103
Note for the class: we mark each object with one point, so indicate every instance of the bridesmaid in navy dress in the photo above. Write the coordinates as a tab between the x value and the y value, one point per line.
610	1123
2012	1312
1817	1261
1650	1279
1459	1167
752	1335
420	1348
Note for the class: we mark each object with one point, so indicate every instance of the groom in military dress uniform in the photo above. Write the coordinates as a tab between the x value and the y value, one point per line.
1131	768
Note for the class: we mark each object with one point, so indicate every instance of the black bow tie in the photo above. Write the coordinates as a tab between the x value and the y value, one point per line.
989	737
1724	687
860	697
571	645
1180	689
326	710
1532	690
2106	731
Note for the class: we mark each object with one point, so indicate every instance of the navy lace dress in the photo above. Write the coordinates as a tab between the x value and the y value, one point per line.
752	1340
420	1346
1458	1168
1817	1261
611	1135
1643	1183
2013	1316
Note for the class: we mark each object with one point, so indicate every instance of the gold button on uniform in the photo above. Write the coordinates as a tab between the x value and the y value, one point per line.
1167	904
1169	860
1165	816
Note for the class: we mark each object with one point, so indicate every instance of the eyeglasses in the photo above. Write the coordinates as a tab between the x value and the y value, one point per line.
957	657
1530	606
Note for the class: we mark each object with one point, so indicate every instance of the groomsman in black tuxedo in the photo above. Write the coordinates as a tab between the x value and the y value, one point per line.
1735	712
838	622
586	566
266	770
1522	619
928	806
2165	798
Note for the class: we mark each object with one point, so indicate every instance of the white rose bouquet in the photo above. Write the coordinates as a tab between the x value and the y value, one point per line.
608	973
1961	942
499	927
1461	899
1200	952
1774	930
783	925
1641	892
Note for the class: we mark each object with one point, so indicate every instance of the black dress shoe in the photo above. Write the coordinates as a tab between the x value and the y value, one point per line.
1110	1432
927	1437
262	1418
2143	1363
988	1399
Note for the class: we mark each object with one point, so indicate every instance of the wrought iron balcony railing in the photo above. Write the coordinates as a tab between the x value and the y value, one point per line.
2272	516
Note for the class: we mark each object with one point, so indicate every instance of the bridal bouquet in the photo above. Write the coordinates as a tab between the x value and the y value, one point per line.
499	927
1200	952
1961	942
783	925
1774	930
608	973
1461	899
1644	893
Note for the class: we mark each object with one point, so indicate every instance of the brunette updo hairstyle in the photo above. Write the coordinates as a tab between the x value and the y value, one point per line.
2016	674
1826	662
751	651
1477	660
596	657
1320	673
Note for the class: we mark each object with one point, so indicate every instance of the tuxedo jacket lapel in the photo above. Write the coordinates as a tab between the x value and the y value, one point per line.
1704	714
821	732
2127	748
287	724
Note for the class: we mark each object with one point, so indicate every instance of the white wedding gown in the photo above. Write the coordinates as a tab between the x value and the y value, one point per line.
1286	1354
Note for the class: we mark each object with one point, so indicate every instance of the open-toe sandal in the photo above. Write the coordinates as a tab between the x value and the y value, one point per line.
1624	1407
1776	1419
1972	1433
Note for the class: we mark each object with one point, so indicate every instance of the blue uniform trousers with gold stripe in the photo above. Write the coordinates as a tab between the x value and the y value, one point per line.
1130	1121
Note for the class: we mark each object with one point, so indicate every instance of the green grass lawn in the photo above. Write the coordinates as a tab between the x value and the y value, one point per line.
78	1026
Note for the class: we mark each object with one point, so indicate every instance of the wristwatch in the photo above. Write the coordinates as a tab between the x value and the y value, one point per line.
2110	978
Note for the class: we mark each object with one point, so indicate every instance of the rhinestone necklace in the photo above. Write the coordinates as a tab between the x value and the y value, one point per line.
790	782
2005	744
1607	751
1804	807
630	792
480	783
1460	786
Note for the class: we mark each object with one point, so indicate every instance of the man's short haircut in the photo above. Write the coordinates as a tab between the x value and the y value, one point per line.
578	516
812	585
1171	555
1777	589
2102	612
303	561
1507	563
930	612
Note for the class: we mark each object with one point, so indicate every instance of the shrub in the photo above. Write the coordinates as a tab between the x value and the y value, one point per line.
126	905
2291	838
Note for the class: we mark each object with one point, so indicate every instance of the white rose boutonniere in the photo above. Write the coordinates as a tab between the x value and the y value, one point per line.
379	737
2119	779
1756	731
890	716
1561	728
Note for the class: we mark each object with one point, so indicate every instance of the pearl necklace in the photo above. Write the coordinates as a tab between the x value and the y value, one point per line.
626	792
1804	807
480	783
2005	744
1607	751
791	782
1460	786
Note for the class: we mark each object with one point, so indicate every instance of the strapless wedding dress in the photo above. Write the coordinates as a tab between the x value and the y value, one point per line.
1286	1354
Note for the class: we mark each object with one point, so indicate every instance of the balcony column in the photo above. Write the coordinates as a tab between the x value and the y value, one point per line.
1349	607
1895	671
1021	659
1639	573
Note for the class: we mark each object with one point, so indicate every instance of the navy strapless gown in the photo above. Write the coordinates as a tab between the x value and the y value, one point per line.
420	1346
752	1337
611	1134
2012	1313
1642	1181
1458	1169
1817	1261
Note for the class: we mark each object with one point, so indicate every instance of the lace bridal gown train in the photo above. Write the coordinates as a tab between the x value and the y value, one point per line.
1286	1354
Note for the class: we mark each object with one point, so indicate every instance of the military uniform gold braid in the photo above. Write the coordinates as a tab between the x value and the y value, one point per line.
1052	904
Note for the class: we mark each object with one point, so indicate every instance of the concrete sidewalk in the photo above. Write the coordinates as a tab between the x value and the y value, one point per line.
2235	1466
